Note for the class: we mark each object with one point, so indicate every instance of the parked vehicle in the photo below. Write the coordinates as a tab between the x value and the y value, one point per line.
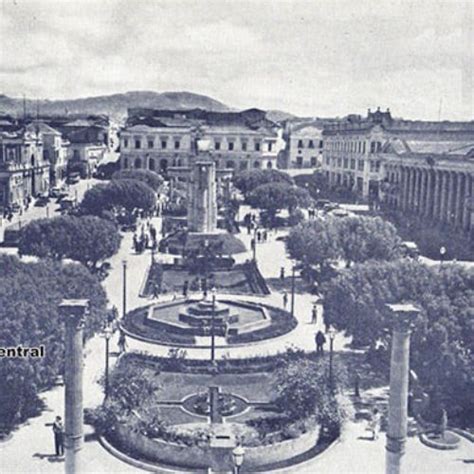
67	203
42	201
320	203
410	249
73	178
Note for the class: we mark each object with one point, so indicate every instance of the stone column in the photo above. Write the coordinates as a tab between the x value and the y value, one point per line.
459	198
429	194
403	318
413	190
437	196
444	196
73	313
468	202
451	192
422	206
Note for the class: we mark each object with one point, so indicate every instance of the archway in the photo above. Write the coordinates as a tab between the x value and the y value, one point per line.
138	163
163	164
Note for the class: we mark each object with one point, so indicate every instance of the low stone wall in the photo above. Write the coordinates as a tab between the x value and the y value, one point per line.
202	457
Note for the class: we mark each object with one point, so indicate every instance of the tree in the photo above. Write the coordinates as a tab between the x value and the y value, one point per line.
154	180
302	391
29	297
118	195
86	239
273	197
247	181
351	239
442	347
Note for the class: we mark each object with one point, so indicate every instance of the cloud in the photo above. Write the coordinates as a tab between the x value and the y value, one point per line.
314	58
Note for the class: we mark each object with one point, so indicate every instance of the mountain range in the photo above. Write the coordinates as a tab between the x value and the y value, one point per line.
116	105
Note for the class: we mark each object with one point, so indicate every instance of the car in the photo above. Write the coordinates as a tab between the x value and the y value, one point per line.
330	206
42	201
320	203
410	249
55	192
73	178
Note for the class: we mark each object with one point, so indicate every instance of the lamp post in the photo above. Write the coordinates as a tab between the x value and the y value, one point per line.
213	333
293	277
107	336
124	295
253	244
332	335
403	316
442	253
238	454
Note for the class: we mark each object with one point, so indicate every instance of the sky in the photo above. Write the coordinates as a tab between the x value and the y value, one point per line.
309	57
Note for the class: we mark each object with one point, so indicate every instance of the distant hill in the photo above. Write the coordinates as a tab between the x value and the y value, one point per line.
279	115
114	105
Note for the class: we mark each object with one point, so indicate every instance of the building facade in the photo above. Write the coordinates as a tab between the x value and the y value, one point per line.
161	139
304	144
24	172
356	148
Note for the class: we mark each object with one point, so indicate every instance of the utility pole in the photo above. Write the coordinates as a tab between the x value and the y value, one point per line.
293	277
73	313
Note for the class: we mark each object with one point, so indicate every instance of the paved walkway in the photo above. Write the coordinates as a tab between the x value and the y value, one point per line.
30	449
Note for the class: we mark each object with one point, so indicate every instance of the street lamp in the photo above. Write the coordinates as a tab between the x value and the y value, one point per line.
107	334
213	333
293	277
332	335
238	454
124	295
253	243
442	253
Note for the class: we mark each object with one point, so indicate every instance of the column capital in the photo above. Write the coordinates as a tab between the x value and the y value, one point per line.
403	316
74	311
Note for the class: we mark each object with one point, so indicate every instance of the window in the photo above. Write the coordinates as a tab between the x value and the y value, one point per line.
138	163
125	142
353	164
346	162
372	147
244	146
300	144
377	166
339	162
328	160
243	164
314	161
150	144
270	146
363	147
231	146
360	165
138	143
299	160
379	147
372	167
217	145
311	144
269	165
151	164
125	162
164	144
177	144
257	148
321	144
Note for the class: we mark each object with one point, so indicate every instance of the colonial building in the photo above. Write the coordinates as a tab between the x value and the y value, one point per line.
304	144
437	184
24	172
160	139
355	148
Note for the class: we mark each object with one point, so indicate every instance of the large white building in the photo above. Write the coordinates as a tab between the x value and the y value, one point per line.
160	139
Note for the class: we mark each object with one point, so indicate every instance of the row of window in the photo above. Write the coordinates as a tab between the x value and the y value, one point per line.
137	144
163	164
310	144
354	146
351	163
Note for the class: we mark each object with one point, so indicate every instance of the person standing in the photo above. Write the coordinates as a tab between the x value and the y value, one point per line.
314	314
282	273
374	424
320	340
122	342
285	299
58	431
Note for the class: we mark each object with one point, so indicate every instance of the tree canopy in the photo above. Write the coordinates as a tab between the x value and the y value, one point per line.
86	239
154	180
442	345
272	197
352	239
247	181
128	194
29	297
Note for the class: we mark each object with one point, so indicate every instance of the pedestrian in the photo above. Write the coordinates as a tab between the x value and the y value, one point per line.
285	299
282	273
374	424
249	228
152	232
156	291
265	235
357	384
320	340
185	288
58	430
135	242
259	236
314	314
122	342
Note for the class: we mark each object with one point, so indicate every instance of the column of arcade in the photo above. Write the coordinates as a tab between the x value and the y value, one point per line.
441	195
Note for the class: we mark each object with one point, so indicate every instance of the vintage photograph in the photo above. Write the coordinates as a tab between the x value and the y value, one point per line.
237	236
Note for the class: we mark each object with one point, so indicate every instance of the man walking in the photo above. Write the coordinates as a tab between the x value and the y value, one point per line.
320	340
58	430
285	299
314	314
